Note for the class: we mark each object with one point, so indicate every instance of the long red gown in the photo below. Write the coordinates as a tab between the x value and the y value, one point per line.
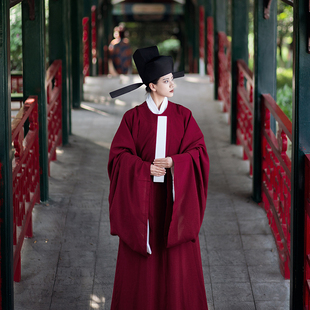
171	277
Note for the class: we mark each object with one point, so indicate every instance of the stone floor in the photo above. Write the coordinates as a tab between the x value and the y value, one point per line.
70	261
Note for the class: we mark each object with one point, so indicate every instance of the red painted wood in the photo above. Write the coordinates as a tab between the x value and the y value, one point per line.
276	178
224	85
25	177
94	34
86	47
54	109
201	32
210	48
16	83
245	111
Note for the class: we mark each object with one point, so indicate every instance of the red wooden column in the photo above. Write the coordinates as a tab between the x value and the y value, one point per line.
202	65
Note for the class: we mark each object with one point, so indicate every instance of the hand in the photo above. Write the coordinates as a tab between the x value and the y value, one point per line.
157	171
163	162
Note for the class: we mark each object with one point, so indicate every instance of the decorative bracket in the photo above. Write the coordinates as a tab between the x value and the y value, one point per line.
267	4
31	9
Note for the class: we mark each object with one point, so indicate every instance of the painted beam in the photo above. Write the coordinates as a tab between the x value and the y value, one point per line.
265	80
301	145
239	50
6	205
34	73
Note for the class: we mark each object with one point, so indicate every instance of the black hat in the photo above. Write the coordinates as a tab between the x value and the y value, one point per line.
151	66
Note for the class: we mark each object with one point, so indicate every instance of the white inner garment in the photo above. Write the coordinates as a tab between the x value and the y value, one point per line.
152	106
160	150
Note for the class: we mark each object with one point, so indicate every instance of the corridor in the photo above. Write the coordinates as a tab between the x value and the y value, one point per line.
70	261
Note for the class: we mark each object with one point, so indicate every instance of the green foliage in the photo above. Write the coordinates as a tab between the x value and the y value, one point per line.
16	37
169	47
284	77
284	100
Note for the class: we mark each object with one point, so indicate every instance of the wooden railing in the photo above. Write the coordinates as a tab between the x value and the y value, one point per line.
86	47
224	71
16	82
276	178
210	48
25	176
244	132
54	109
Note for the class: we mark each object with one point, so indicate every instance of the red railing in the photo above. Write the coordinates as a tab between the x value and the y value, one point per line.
276	178
86	47
94	35
307	234
54	109
25	176
210	48
245	111
224	69
17	82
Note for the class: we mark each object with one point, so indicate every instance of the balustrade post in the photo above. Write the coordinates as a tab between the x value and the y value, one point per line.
301	145
219	25
6	205
265	66
239	50
34	66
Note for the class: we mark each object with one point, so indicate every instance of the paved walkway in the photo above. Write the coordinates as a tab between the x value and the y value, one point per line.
69	264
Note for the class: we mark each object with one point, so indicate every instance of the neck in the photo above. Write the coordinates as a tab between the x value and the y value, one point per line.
158	100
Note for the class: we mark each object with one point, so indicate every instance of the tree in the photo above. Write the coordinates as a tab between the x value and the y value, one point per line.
16	37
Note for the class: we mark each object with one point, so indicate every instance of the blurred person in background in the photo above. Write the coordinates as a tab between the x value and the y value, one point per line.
120	53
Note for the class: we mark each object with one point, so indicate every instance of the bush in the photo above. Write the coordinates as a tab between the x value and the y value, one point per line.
284	77
284	100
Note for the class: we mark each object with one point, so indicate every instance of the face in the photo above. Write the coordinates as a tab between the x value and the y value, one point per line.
164	86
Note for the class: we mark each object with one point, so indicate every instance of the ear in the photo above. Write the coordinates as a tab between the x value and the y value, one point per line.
152	87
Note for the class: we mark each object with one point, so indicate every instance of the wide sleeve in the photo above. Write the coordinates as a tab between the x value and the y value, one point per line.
129	189
191	172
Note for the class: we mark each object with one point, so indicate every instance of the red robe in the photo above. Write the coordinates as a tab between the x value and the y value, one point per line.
171	277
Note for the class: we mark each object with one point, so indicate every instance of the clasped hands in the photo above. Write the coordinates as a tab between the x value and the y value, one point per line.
159	165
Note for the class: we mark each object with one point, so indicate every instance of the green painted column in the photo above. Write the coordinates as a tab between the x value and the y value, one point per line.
301	145
106	11
219	25
59	44
100	37
34	72
239	50
68	16
77	52
208	13
6	205
265	81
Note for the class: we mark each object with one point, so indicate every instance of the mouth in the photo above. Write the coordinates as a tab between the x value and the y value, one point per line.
171	91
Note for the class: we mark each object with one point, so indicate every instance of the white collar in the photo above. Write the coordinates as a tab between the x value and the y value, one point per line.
152	106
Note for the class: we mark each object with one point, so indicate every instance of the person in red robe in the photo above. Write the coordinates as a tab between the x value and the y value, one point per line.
158	169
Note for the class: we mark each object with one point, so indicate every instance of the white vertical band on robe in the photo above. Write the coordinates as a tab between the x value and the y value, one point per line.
161	136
